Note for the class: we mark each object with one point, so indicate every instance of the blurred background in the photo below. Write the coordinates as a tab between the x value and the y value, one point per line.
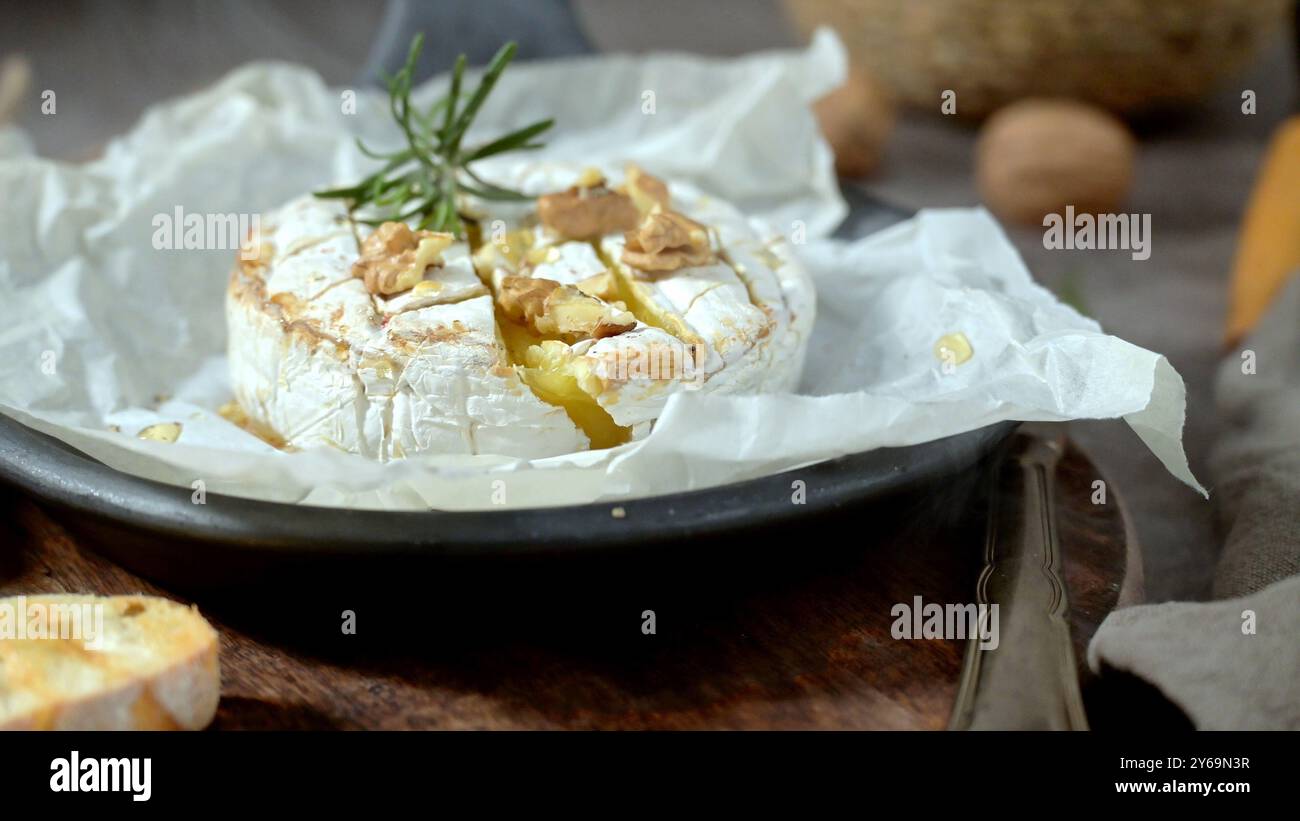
1161	123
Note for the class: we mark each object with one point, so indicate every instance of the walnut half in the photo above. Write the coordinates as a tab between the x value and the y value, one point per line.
666	241
552	309
394	258
588	210
591	209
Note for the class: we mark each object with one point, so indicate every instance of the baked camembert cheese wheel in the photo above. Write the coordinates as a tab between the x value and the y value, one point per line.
560	326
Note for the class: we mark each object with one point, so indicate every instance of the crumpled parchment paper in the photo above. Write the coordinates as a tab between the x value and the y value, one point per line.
102	334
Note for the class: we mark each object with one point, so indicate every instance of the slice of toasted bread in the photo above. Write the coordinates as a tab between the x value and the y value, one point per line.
105	663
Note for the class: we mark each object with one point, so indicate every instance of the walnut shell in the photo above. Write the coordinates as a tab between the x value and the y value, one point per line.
1035	157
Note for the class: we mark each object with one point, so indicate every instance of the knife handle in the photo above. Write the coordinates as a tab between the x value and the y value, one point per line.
1029	680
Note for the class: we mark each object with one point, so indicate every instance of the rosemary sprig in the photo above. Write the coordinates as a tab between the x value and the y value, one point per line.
425	178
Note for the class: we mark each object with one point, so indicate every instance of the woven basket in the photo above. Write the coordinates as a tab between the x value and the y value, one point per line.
1126	55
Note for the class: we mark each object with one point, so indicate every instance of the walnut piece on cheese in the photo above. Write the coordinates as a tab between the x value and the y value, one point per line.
666	241
587	211
552	309
394	258
590	209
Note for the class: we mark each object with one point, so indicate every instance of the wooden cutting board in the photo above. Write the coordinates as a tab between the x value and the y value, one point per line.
786	629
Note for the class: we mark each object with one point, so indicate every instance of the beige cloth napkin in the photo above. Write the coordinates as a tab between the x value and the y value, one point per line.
1235	663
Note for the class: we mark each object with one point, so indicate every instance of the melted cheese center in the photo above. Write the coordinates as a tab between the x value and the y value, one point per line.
641	304
553	376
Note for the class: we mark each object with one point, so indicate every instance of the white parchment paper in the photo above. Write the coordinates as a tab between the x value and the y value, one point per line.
102	334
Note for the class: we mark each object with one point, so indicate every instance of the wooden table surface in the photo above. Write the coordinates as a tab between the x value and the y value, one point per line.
787	629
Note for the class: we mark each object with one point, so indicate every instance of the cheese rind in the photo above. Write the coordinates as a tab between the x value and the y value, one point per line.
321	361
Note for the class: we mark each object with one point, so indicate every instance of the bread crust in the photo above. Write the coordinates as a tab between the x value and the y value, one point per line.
156	668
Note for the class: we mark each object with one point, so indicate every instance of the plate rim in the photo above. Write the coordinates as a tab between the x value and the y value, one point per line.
57	473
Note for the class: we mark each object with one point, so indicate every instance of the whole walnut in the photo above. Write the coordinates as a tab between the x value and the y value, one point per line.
856	119
1037	156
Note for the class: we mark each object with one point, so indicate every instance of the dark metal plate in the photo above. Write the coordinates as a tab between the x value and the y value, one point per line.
142	523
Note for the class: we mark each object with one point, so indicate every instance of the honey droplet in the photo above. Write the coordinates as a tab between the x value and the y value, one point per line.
162	432
953	348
